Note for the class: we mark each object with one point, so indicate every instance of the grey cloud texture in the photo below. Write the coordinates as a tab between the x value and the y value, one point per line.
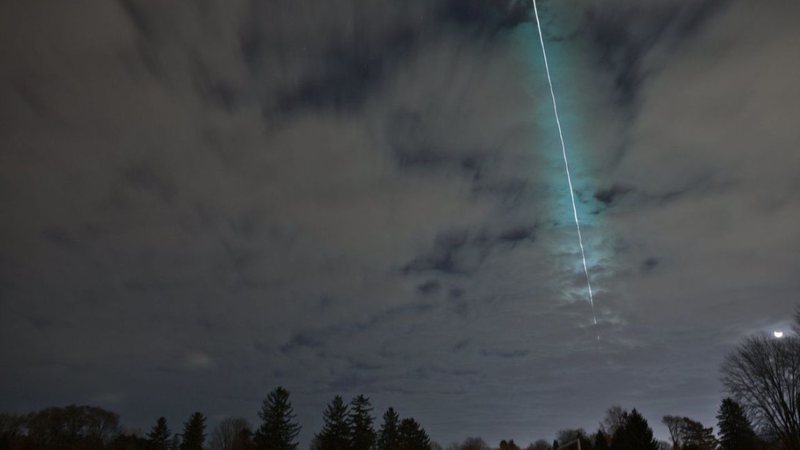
363	197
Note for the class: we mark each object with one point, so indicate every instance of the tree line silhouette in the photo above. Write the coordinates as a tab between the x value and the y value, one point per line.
349	427
762	376
345	427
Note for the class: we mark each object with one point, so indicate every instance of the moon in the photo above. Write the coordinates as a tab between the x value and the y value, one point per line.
778	334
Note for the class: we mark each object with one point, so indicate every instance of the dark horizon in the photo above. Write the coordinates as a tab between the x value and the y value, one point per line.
204	200
164	434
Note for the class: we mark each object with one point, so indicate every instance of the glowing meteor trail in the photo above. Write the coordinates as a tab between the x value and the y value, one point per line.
566	164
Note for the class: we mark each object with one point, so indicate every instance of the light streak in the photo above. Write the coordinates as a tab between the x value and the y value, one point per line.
566	165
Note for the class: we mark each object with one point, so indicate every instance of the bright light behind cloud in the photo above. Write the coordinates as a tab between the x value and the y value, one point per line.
778	334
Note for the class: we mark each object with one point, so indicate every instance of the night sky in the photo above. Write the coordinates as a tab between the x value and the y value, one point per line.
203	200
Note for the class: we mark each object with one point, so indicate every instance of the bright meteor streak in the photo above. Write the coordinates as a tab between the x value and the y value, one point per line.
566	164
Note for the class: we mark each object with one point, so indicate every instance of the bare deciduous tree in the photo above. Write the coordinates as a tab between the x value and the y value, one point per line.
763	374
615	417
675	428
227	432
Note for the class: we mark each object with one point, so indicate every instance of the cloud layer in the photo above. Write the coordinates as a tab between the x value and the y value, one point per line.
205	200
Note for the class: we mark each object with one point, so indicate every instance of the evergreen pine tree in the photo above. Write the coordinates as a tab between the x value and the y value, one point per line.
600	441
735	430
278	430
412	436
362	433
335	434
388	438
634	434
696	436
158	437
194	432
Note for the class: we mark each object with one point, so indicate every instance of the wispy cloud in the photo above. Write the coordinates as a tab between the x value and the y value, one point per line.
345	199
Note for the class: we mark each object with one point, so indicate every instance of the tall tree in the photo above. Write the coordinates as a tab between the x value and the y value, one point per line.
763	375
674	425
388	437
735	430
600	441
614	418
278	430
70	426
158	437
509	445
413	436
227	433
194	432
362	433
335	433
634	434
696	436
244	440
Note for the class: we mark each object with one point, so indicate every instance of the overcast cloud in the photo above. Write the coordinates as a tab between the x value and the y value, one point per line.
203	200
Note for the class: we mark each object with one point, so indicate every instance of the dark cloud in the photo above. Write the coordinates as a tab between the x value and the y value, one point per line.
608	196
429	287
303	341
461	345
59	237
625	33
486	15
451	255
650	264
517	234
